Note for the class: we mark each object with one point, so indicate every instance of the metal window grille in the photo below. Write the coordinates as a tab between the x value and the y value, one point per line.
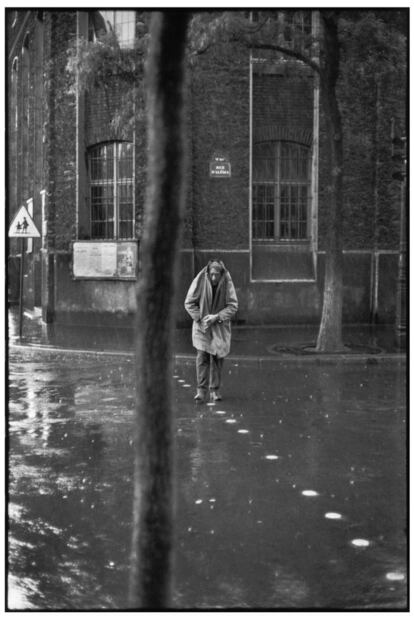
281	191
300	21
120	22
111	168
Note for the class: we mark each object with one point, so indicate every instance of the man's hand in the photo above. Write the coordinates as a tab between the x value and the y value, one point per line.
210	319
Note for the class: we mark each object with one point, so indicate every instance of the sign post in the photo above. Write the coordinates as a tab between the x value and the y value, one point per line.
22	250
22	227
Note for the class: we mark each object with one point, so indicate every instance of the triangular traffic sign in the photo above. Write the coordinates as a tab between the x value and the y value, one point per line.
23	225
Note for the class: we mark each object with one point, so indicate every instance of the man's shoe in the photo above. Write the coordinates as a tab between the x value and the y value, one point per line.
215	396
199	396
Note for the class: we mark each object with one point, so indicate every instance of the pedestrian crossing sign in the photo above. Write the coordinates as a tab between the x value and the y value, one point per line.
23	225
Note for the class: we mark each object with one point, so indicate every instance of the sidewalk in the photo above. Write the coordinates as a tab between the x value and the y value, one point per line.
254	343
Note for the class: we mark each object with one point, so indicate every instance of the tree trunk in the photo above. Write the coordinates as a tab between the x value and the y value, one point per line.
153	469
330	330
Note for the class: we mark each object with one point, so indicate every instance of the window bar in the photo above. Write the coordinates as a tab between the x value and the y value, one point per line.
288	214
116	154
133	231
277	197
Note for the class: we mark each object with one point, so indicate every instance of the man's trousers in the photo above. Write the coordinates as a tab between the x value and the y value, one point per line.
208	369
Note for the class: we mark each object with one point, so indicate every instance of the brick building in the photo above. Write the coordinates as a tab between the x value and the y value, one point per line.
256	181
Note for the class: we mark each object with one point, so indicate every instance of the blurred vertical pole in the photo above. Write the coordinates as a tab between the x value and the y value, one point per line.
151	552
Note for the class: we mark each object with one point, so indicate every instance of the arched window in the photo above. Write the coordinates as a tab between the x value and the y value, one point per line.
281	191
111	174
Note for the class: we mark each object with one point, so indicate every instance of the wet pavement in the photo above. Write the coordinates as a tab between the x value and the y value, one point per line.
291	492
267	342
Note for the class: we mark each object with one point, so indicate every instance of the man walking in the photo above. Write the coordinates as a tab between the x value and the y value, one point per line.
211	302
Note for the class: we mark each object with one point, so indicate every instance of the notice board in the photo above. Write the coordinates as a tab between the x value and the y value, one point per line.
104	259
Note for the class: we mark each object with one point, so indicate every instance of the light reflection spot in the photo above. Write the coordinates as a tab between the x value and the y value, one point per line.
360	543
220	412
333	516
395	576
272	457
230	421
198	501
243	431
310	493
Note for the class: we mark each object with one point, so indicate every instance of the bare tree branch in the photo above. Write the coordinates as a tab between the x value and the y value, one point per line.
288	52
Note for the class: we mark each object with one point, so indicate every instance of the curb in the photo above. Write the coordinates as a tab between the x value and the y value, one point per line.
260	360
325	359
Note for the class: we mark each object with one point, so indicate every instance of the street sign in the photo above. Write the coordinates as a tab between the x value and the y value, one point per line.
23	225
220	167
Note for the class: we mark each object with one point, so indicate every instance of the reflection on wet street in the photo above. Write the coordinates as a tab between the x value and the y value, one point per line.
290	492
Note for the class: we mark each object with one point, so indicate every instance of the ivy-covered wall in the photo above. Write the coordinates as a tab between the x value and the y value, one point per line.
220	124
217	209
60	143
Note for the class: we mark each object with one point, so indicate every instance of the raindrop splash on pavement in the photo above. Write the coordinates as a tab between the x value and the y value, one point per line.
271	457
310	493
333	516
242	431
230	421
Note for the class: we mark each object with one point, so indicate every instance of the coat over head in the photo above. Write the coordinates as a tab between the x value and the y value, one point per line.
202	300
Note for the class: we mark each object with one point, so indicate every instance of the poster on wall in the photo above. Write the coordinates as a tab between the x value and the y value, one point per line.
126	259
103	259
